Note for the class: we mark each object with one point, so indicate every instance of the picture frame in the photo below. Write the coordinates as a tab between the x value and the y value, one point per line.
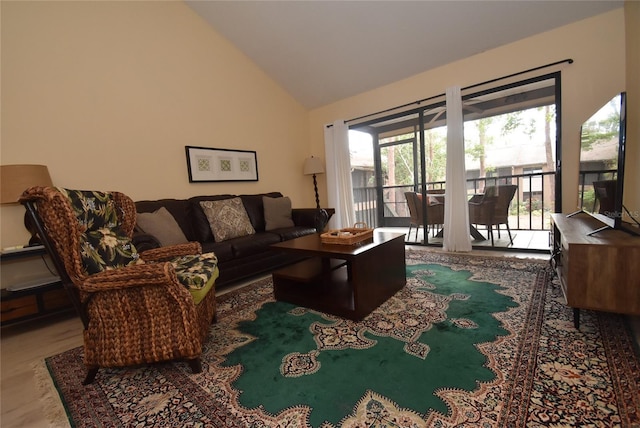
207	164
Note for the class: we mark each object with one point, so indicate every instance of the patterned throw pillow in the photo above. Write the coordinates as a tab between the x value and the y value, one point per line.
102	246
227	218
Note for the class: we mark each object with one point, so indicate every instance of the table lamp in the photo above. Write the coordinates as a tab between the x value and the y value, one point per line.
313	166
14	180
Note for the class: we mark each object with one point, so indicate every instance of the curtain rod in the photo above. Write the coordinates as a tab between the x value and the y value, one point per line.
418	102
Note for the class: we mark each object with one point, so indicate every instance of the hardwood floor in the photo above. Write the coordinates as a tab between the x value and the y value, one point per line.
24	346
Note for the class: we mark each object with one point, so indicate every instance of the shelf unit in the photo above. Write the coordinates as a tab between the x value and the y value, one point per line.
33	298
598	272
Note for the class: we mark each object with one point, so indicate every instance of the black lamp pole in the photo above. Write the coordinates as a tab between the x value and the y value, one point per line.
315	188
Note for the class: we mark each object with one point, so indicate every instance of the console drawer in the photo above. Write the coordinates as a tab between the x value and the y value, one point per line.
19	307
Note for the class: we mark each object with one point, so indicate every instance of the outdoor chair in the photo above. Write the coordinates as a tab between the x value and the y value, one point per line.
136	308
492	208
605	197
434	211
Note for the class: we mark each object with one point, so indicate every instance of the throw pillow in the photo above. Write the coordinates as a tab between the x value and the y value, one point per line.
277	212
227	218
162	225
102	245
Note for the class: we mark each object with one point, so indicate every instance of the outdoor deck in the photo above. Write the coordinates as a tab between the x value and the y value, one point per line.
523	240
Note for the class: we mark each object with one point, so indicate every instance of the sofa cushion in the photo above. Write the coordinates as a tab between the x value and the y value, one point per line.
287	233
223	250
277	213
254	244
227	219
197	272
162	225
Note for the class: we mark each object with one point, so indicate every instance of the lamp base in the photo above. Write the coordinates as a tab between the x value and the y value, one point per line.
315	188
28	224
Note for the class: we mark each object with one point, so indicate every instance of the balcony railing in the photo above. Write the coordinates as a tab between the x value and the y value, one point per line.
531	206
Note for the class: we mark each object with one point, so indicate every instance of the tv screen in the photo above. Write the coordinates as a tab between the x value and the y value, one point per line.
602	152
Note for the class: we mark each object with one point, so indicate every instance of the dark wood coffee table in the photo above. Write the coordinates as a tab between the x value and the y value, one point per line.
345	280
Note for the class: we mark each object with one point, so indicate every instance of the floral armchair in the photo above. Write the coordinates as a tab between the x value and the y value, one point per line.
136	308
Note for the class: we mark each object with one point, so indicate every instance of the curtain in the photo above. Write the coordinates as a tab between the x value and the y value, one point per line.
338	166
456	209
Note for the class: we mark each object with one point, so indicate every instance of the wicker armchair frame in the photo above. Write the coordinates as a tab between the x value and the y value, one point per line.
134	315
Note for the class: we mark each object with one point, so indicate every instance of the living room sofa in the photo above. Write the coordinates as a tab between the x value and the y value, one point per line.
239	257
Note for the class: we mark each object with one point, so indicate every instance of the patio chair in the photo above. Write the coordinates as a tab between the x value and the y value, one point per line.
135	308
435	212
605	197
492	208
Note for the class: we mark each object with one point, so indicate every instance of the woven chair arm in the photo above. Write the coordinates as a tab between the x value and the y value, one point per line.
153	274
170	252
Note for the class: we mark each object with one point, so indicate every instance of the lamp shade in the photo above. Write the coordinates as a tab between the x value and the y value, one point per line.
15	179
313	165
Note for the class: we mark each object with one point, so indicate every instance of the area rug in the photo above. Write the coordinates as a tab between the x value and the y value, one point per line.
469	341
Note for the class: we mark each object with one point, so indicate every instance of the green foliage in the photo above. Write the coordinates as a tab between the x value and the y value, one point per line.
595	131
402	156
512	121
588	199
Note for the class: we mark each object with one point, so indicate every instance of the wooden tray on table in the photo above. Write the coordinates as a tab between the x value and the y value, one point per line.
347	236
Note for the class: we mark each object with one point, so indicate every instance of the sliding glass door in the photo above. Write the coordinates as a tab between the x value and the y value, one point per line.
511	137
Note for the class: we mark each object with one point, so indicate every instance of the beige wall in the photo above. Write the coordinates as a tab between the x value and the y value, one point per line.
107	94
597	74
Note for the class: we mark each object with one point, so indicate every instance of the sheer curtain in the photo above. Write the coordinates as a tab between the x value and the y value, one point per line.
456	210
338	165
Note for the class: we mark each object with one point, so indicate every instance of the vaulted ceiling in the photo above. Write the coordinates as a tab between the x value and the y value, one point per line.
324	51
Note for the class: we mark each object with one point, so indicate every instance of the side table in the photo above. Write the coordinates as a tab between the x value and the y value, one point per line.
34	297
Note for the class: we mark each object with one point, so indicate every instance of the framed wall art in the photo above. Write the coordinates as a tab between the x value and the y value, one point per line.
209	164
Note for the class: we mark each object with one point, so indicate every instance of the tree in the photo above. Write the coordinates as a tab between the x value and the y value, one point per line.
436	157
596	131
478	150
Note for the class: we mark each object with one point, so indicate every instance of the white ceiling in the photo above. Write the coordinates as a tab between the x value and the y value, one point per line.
324	51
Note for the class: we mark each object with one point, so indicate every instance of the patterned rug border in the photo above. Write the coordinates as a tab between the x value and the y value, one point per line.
49	397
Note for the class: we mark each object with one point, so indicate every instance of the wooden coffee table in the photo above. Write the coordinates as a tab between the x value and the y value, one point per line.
345	280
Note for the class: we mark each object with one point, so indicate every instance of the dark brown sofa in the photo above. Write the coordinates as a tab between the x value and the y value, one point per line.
241	257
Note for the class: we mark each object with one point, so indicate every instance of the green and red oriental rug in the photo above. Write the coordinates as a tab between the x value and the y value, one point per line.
469	341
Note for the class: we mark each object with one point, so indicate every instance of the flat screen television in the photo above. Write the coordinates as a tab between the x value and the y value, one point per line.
602	150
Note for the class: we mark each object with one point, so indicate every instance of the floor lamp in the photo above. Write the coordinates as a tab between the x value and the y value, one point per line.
313	166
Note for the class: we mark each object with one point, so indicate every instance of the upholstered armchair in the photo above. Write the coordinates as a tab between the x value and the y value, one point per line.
434	211
136	308
492	208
